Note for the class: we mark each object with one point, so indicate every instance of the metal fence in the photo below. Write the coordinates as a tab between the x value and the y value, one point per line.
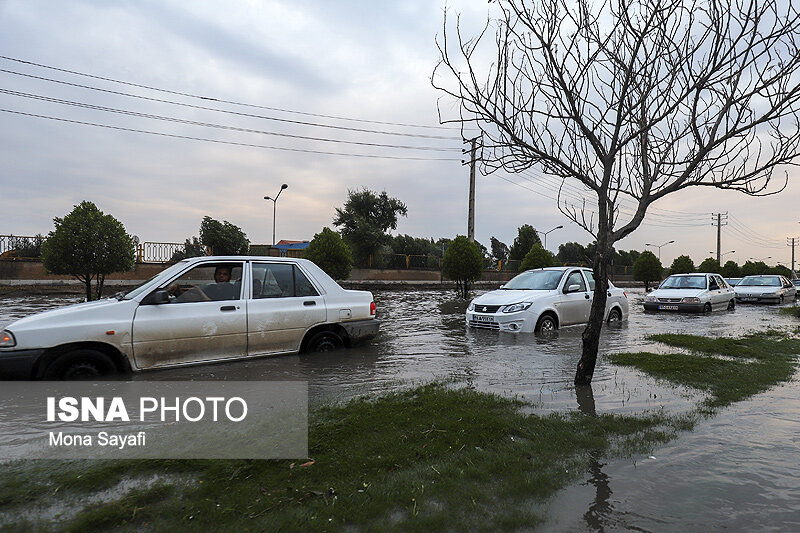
164	252
20	246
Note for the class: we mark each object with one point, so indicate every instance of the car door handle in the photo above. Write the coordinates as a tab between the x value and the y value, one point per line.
228	308
311	302
587	296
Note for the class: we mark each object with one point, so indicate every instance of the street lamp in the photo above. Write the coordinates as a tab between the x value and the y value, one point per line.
659	247
274	203
546	232
724	254
764	259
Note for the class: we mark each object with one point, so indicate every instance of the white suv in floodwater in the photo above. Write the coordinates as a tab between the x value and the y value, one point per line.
544	300
200	310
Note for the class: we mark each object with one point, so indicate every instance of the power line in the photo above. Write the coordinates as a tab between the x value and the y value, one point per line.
223	101
174	136
217	126
217	110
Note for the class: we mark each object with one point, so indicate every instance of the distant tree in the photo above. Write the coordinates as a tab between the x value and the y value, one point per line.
780	270
191	248
710	264
223	237
408	245
526	238
750	268
572	253
731	270
682	265
89	245
462	263
647	268
330	253
627	258
537	257
365	220
500	250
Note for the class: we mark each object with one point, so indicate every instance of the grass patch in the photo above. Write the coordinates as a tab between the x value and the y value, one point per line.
791	311
419	459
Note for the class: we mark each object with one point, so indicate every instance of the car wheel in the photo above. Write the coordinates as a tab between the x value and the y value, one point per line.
731	305
707	308
325	341
547	324
614	317
80	365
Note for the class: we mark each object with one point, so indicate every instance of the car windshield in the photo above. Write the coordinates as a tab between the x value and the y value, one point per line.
536	280
761	281
796	281
684	282
152	282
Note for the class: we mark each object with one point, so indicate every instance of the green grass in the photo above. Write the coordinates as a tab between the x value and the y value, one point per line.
791	311
432	457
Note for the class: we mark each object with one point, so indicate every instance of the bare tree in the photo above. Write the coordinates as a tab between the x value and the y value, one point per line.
630	101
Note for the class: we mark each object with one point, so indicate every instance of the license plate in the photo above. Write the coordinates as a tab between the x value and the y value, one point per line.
481	318
748	299
668	307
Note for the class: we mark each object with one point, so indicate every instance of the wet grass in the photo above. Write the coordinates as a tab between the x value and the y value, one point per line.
790	311
432	457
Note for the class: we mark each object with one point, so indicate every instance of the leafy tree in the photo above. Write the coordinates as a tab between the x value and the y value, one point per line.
630	102
89	245
780	270
731	270
526	238
462	263
408	245
330	253
537	257
709	264
365	219
223	237
627	258
682	265
572	253
500	249
191	248
647	268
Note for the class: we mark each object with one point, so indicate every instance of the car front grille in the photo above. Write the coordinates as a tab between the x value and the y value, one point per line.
484	325
669	300
487	308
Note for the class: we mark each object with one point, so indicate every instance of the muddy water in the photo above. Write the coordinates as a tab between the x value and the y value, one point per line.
739	470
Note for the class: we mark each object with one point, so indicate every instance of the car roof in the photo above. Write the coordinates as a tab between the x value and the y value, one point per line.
216	258
697	274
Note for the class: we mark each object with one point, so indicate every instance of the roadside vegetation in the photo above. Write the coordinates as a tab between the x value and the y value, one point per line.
432	457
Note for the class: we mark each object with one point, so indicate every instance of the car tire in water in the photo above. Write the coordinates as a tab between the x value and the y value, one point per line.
707	308
614	317
325	341
80	365
731	305
546	324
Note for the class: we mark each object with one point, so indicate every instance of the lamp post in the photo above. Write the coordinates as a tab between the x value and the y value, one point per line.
659	247
724	254
274	203
757	260
546	232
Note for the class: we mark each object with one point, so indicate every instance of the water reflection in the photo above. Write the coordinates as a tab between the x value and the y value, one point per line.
601	507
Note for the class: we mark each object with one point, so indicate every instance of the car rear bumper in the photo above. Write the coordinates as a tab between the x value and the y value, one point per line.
19	364
675	307
361	330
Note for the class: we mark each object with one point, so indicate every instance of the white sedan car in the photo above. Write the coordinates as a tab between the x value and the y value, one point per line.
200	310
543	300
765	289
698	293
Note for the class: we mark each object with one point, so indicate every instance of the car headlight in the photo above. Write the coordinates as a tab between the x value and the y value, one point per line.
690	300
649	298
471	306
7	339
513	308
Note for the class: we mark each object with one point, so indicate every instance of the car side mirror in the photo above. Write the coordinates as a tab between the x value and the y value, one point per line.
572	288
157	297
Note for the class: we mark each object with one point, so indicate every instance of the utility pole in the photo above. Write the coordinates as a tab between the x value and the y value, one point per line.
471	215
719	223
791	242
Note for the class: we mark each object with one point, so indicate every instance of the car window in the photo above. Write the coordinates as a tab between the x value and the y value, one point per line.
589	278
302	285
684	282
575	278
713	284
273	280
722	282
207	282
535	280
761	281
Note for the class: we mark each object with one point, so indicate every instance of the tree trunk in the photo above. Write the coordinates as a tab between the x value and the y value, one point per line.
591	335
101	278
88	281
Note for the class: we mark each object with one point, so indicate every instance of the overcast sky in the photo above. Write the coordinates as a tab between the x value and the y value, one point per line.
292	61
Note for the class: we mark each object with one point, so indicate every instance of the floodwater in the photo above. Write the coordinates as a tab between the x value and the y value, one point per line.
739	470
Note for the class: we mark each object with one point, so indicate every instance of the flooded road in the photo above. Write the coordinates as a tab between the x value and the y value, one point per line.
739	470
